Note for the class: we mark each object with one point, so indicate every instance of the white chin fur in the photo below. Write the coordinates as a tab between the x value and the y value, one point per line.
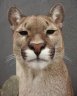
38	64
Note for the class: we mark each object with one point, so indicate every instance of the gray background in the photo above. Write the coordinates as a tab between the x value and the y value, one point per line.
29	7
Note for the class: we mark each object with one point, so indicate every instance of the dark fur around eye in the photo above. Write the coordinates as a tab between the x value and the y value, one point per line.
23	33
49	32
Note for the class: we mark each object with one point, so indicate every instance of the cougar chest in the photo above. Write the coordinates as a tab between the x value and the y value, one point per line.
42	85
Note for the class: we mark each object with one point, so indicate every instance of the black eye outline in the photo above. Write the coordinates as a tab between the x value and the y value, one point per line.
23	33
49	32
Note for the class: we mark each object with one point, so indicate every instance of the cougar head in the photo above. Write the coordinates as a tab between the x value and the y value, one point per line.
37	40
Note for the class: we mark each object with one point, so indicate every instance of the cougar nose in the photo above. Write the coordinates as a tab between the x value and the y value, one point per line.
37	47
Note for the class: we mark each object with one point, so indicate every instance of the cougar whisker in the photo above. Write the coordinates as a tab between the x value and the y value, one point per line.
10	57
67	58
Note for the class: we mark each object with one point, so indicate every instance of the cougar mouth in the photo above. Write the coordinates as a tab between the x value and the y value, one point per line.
38	62
35	59
38	58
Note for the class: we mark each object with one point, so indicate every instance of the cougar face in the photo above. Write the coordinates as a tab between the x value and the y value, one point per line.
37	40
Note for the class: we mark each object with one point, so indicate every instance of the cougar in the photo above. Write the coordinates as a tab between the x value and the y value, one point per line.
39	50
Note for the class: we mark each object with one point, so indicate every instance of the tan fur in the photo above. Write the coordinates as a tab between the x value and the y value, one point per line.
45	79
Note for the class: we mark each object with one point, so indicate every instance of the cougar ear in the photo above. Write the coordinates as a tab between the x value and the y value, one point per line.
14	16
57	14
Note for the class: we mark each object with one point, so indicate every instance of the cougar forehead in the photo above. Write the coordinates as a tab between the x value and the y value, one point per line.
36	23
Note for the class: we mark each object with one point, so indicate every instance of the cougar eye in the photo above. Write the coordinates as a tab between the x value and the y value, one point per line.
49	32
23	33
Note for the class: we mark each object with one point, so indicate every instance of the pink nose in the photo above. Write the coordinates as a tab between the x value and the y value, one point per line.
37	47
